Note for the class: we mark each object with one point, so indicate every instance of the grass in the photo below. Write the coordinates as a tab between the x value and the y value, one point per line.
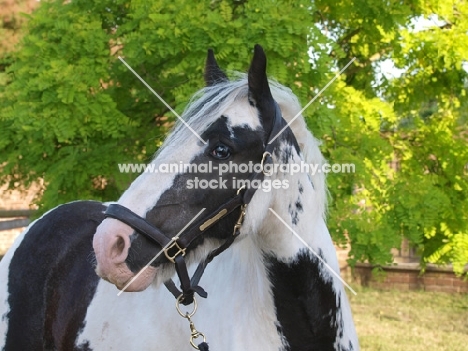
410	320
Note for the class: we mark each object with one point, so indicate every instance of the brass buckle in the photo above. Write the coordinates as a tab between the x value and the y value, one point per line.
174	245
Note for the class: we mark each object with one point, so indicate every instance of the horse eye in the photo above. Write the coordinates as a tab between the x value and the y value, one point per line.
221	152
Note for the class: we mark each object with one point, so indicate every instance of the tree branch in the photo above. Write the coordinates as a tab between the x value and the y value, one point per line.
348	36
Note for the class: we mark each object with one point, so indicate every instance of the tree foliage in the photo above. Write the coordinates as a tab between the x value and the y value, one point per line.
70	111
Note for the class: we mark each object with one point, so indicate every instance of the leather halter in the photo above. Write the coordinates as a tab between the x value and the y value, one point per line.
176	250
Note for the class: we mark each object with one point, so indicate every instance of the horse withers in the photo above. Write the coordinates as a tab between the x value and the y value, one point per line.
272	283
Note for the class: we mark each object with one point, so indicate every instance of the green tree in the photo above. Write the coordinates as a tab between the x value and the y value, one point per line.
70	111
421	122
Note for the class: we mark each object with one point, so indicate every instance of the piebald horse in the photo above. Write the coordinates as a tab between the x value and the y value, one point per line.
271	286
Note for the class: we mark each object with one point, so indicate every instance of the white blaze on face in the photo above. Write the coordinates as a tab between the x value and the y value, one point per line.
145	191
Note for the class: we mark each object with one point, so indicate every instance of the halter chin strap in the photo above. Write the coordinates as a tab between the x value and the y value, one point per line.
175	251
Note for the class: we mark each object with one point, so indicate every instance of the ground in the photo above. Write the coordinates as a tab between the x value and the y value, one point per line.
410	320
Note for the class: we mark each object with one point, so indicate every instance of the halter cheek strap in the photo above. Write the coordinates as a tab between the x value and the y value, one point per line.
176	247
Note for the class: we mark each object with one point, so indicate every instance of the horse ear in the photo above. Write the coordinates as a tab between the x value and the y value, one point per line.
259	89
213	74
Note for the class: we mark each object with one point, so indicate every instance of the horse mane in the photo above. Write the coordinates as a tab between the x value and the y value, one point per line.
210	102
309	145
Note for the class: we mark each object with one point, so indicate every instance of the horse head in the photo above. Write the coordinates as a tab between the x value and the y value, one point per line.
235	120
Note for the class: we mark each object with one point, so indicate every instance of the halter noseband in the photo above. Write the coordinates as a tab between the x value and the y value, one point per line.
176	247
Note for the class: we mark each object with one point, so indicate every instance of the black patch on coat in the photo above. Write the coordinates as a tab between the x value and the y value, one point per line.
300	187
83	347
51	280
295	210
285	154
305	303
293	214
298	205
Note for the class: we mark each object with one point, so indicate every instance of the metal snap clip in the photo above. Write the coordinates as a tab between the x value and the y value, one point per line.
264	157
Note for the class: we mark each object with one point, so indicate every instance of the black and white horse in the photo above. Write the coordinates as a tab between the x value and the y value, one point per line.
267	290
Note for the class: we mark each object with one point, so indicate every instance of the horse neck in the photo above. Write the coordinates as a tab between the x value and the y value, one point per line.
295	213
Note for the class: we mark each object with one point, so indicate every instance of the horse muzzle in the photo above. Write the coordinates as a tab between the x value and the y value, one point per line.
111	244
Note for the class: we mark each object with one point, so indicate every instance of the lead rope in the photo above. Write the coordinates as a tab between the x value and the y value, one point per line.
194	333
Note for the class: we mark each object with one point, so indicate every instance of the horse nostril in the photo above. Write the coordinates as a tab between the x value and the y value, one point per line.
118	249
120	244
